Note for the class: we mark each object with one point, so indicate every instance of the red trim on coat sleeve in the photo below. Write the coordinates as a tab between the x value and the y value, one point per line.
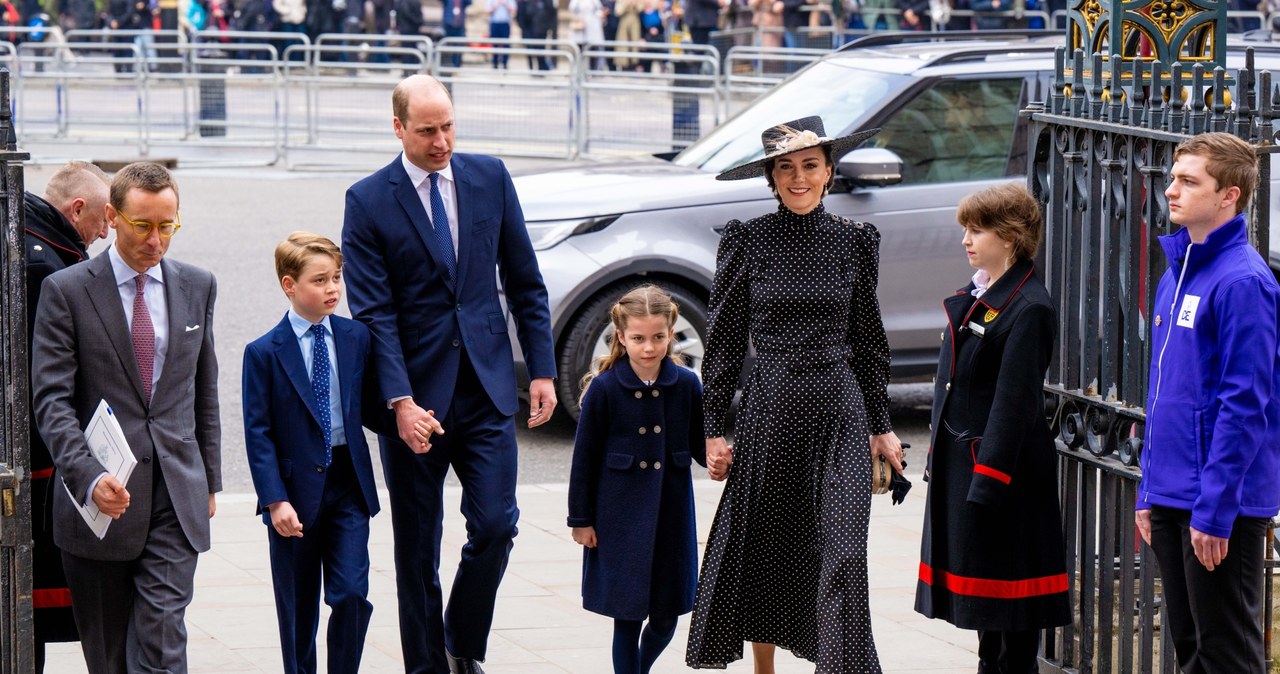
994	589
42	474
986	470
992	473
59	597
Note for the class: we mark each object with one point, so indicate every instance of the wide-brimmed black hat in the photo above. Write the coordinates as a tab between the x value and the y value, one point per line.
794	136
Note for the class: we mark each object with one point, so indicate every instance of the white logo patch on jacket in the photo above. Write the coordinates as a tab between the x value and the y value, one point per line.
1187	314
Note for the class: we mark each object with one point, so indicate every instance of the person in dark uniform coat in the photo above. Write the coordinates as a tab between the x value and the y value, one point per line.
992	554
59	229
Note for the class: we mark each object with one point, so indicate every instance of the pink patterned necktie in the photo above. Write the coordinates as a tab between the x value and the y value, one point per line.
144	336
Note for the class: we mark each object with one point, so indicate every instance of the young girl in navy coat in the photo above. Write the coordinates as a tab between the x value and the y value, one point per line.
630	488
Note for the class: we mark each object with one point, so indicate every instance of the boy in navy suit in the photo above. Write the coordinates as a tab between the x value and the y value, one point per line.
309	459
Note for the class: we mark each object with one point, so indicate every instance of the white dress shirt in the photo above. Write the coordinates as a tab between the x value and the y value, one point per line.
306	342
448	192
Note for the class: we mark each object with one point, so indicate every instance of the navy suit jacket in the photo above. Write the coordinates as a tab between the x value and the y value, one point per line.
421	321
282	425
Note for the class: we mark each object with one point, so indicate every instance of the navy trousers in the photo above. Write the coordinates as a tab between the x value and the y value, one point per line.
1215	617
335	547
480	445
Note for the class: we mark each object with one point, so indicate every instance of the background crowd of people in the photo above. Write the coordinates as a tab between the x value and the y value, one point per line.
777	23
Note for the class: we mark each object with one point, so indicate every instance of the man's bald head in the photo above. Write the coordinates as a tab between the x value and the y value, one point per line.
412	87
80	191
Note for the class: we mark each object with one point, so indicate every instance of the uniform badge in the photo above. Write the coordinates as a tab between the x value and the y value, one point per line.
37	248
1187	314
990	315
1158	320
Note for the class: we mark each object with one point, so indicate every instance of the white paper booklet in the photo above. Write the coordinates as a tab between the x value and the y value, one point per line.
108	444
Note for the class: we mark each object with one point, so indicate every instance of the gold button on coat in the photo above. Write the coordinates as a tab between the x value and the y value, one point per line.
948	386
638	394
657	465
655	393
644	464
657	429
643	430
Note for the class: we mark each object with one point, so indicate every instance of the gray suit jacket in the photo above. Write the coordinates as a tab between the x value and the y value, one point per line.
82	353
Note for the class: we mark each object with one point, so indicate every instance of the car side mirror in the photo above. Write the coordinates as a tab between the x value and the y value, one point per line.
870	166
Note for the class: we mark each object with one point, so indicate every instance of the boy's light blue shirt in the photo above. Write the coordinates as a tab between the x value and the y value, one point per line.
306	342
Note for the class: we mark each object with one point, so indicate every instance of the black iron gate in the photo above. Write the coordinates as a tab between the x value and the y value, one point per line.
1101	152
16	627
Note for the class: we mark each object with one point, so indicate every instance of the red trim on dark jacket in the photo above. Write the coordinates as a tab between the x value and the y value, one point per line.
992	473
986	470
36	234
42	474
59	597
994	589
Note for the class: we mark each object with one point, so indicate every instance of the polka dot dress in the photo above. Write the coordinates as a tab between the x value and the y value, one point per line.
786	562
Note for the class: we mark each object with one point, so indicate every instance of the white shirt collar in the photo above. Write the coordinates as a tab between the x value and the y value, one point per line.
124	273
418	175
301	325
981	281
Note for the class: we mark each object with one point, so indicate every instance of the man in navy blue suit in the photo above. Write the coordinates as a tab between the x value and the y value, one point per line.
424	237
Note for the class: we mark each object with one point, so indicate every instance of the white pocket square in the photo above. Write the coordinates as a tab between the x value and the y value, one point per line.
192	327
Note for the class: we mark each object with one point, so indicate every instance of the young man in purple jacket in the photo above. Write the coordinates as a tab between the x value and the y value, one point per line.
1210	459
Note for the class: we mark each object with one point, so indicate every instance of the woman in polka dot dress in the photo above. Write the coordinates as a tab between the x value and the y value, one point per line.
786	562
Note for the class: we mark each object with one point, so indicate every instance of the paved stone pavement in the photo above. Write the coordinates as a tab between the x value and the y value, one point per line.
540	625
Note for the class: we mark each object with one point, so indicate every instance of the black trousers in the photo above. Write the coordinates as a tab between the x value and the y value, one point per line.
1008	652
1214	617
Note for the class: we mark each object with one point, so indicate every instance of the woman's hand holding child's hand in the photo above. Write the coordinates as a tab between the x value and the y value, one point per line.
585	536
719	458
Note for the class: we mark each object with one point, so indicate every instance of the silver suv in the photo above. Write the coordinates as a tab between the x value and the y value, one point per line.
949	112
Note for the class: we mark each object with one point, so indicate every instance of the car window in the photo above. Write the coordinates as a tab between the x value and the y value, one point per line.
955	130
840	94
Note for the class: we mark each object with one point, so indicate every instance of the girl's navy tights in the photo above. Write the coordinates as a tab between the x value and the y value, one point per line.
635	650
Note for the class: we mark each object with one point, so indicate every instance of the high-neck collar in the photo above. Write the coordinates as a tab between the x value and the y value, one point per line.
789	215
1233	232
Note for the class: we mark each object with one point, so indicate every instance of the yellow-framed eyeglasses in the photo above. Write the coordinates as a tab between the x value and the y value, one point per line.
143	229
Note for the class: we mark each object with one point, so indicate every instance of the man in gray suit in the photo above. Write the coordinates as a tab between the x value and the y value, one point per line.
135	329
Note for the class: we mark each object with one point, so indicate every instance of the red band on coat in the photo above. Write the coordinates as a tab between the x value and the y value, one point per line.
53	598
994	589
42	474
992	473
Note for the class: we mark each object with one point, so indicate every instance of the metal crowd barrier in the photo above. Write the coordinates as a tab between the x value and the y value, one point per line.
333	101
513	105
242	89
670	98
751	71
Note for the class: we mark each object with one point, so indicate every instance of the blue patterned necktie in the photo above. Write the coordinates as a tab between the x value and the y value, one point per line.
440	222
320	387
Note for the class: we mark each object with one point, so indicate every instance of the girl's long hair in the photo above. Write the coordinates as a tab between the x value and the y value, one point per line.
644	301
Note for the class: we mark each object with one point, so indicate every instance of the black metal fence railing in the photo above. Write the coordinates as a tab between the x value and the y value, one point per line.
1101	151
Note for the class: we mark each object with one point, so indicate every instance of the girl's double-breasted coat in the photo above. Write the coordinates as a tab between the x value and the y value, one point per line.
631	480
992	555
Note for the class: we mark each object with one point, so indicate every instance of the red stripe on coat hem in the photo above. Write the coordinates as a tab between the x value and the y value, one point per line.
53	598
992	473
994	589
42	474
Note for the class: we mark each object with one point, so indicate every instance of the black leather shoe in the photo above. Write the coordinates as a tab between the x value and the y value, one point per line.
463	665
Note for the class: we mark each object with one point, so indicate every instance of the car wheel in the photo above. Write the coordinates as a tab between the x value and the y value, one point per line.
589	334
